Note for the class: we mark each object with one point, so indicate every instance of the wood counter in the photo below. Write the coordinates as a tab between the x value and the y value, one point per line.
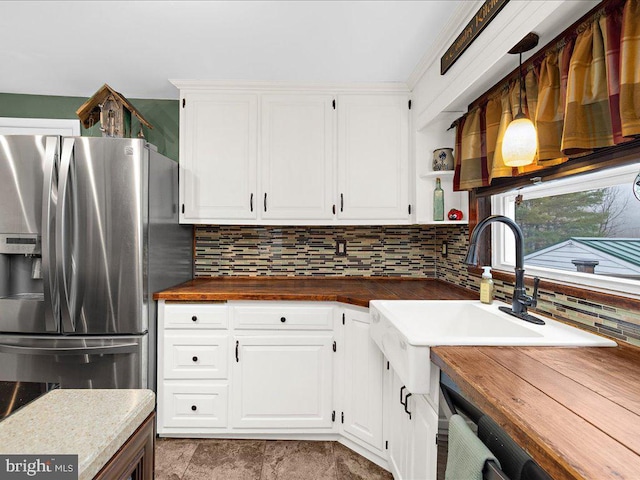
353	290
575	410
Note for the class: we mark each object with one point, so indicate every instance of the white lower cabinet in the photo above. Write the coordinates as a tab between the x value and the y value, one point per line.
282	381
413	430
423	448
193	368
363	376
399	427
272	369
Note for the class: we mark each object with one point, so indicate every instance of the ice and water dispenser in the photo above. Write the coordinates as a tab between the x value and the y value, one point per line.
21	288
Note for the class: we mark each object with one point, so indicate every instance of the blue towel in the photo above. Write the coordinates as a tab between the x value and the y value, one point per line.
467	454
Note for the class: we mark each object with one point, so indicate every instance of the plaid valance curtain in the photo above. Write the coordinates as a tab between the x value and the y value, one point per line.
581	94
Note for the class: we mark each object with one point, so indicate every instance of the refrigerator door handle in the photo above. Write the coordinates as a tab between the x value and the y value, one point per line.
49	198
97	350
60	240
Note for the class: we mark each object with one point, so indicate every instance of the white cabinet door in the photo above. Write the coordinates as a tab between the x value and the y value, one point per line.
399	431
363	379
413	429
282	381
218	150
297	159
423	451
373	157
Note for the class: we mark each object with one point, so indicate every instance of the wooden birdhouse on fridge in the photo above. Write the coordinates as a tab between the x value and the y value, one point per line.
113	111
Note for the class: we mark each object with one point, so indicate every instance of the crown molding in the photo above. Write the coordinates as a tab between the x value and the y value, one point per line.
291	87
463	13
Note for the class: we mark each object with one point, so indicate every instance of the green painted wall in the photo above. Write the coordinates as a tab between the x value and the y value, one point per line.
164	115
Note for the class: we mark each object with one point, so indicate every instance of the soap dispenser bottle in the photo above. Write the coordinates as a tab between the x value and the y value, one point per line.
486	286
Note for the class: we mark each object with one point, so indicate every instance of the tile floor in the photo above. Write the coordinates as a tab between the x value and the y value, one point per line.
200	459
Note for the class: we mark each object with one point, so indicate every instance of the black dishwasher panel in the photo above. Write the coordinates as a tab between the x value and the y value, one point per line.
515	463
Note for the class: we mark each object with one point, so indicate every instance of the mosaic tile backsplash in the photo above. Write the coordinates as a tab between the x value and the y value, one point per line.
393	251
402	251
612	320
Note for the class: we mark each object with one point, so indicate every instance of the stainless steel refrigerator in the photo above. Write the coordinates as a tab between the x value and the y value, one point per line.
88	231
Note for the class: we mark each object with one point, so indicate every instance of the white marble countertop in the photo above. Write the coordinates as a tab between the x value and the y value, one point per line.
92	424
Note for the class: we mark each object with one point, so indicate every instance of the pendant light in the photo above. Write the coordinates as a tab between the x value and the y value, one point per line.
520	142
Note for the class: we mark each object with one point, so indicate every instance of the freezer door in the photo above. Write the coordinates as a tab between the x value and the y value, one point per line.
28	293
101	219
75	362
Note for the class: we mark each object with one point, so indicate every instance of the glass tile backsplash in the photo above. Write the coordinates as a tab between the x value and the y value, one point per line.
392	251
400	251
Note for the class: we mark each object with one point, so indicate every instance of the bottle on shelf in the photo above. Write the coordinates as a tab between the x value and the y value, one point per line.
438	202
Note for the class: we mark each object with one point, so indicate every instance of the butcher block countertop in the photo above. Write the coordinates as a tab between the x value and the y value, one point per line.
575	410
353	290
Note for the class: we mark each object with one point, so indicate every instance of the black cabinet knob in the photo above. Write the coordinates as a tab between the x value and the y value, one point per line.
194	408
194	318
195	359
282	319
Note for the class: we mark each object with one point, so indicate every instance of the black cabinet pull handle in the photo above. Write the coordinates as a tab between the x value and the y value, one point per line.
341	202
265	202
251	202
194	318
195	359
283	319
334	209
237	346
194	408
406	404
401	396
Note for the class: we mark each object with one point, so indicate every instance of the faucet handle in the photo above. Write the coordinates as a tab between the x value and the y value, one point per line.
534	295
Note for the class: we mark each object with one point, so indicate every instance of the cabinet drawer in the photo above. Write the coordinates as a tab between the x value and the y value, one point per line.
191	355
196	315
194	405
280	316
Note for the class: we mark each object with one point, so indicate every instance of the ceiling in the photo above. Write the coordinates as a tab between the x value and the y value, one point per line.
73	47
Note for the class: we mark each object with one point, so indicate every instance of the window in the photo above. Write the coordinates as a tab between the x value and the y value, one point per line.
582	230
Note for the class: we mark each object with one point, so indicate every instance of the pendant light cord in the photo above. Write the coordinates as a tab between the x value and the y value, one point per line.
520	113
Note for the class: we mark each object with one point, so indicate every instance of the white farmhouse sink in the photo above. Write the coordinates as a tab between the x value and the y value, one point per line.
405	329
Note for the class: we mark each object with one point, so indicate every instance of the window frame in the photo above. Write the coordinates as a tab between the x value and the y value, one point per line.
503	245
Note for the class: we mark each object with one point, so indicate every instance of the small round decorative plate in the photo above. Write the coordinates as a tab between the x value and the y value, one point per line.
636	187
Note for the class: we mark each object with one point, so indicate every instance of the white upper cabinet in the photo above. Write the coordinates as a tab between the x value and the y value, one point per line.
298	158
373	157
294	155
218	154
